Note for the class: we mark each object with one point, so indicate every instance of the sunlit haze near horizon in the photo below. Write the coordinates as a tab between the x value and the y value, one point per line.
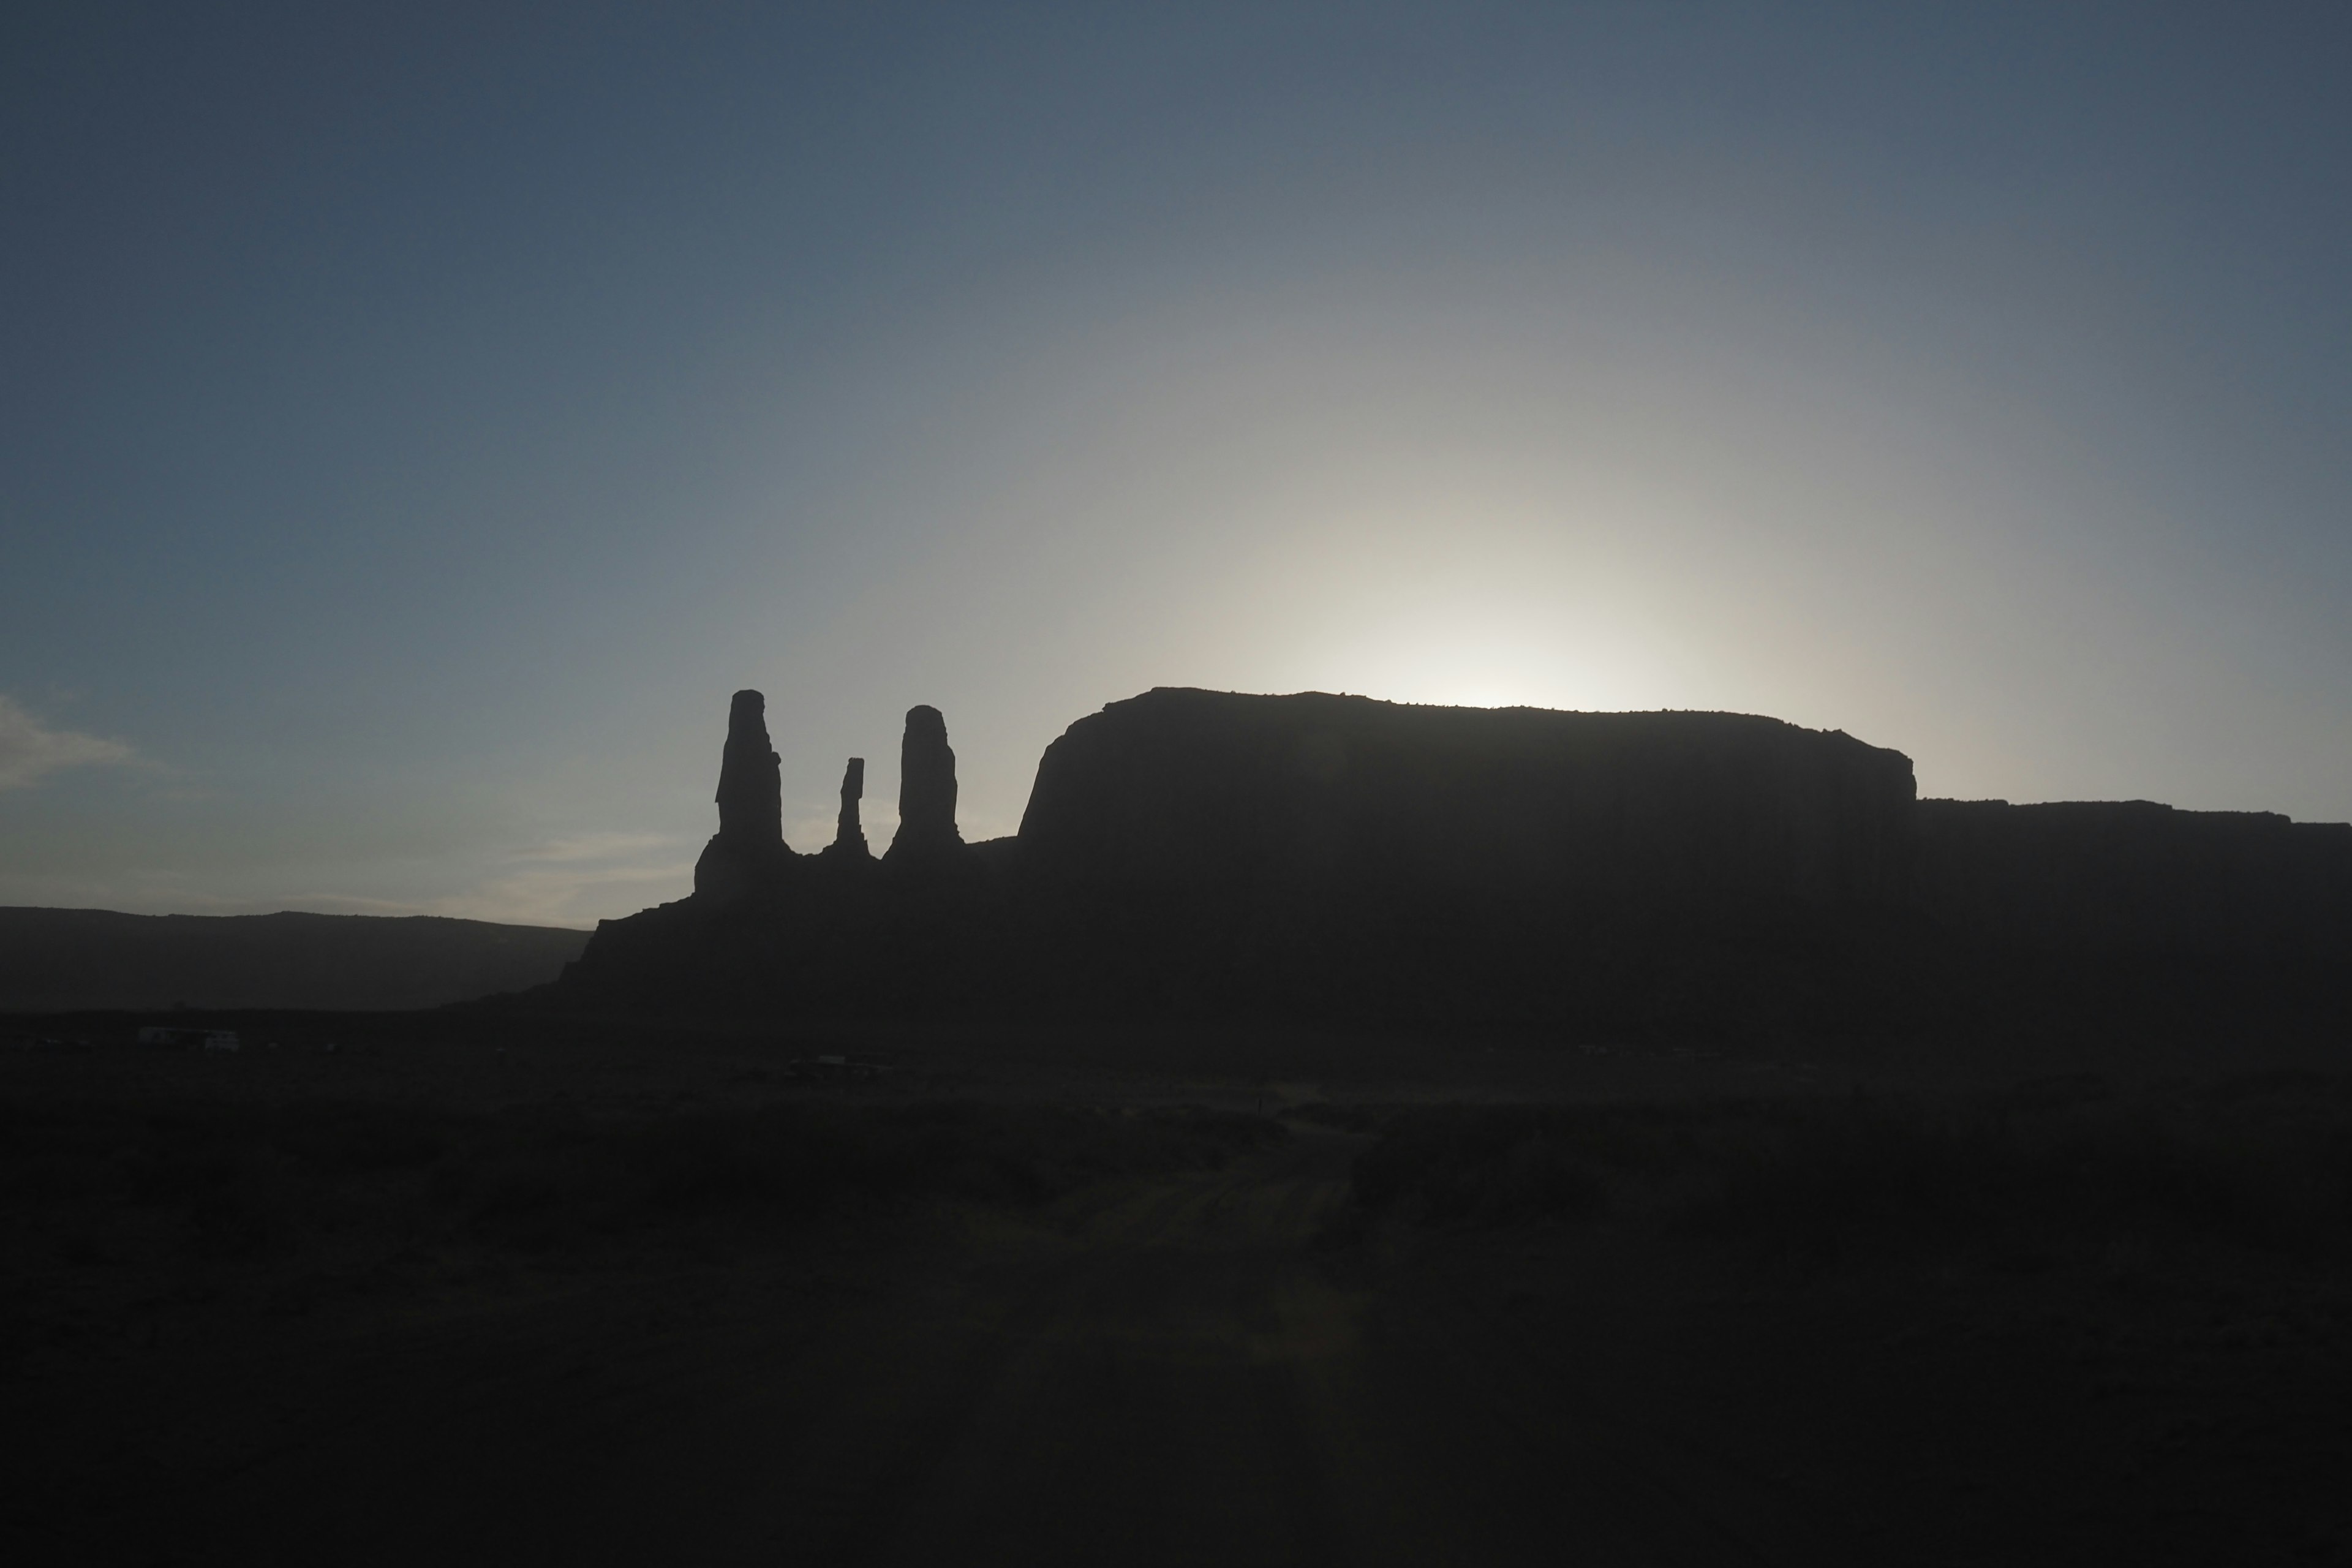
419	419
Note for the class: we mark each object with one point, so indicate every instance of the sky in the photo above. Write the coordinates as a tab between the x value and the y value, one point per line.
416	420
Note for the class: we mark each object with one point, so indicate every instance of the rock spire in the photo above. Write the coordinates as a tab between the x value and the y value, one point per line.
927	794
849	833
749	848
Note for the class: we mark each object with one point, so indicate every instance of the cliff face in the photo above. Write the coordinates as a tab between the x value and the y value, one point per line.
2125	876
1184	788
1613	875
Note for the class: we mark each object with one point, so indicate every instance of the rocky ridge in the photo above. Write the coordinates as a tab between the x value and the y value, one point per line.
1190	853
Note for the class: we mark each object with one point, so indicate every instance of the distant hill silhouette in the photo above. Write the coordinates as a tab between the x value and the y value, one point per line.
61	959
1192	853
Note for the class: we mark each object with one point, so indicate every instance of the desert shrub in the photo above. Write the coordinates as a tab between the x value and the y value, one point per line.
250	1180
46	1156
1483	1164
1339	1118
2025	1176
339	1137
546	1182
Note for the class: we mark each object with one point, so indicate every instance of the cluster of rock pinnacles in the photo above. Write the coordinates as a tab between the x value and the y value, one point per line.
749	851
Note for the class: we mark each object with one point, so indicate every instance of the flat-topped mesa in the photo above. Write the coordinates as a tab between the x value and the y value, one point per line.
849	833
749	848
927	833
1601	813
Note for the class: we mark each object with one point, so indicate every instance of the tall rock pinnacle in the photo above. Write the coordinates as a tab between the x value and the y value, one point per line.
749	848
750	797
849	835
927	793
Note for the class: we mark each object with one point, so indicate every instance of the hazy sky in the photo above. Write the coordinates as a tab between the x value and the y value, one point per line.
415	420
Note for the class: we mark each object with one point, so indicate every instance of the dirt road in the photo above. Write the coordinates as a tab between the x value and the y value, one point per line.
1174	1370
1183	1369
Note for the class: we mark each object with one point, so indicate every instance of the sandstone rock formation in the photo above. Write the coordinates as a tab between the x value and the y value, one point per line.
750	797
926	836
2133	876
849	833
748	852
1602	810
1601	876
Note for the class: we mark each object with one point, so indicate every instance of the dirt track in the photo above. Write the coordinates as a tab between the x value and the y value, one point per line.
1167	1372
1181	1369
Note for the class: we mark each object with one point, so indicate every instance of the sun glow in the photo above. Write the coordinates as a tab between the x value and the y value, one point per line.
1469	667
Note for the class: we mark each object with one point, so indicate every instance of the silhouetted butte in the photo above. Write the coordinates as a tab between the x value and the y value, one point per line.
1336	858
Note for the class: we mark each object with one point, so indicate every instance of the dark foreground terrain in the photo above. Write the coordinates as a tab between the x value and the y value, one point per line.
592	1295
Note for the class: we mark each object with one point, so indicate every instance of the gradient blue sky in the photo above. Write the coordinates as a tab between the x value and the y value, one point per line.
415	420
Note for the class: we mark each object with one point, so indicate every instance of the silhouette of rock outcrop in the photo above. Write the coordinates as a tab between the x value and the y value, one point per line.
1188	789
1195	852
748	854
1606	875
849	833
927	839
2111	876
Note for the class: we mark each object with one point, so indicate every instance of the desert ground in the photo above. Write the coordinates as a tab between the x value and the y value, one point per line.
477	1290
